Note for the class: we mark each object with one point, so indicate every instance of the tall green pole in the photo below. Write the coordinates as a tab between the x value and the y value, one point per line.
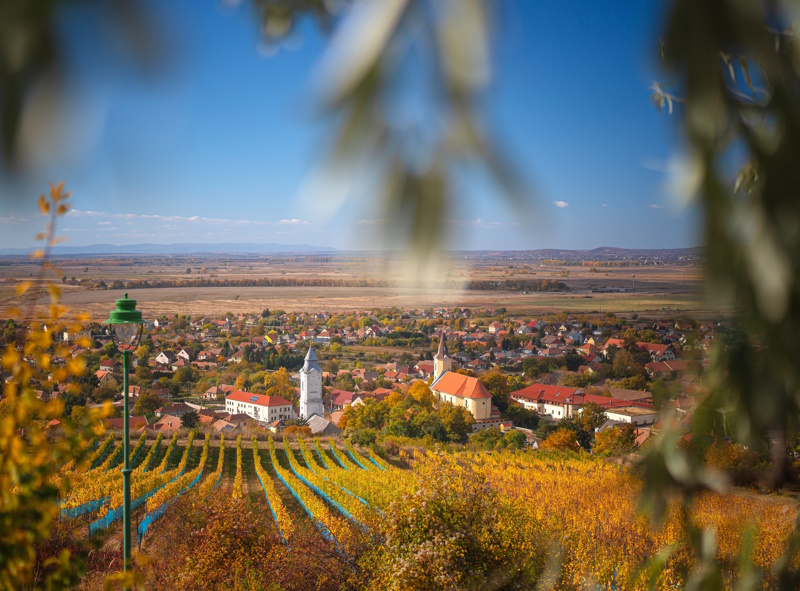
126	471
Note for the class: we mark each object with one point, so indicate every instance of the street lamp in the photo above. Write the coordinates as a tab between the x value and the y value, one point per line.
126	331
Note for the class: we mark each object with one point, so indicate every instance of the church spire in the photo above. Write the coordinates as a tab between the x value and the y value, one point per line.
441	361
442	352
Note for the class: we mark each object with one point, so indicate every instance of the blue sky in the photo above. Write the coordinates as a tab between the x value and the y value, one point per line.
218	144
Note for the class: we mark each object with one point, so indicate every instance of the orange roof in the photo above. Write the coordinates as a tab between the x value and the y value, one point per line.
258	399
457	384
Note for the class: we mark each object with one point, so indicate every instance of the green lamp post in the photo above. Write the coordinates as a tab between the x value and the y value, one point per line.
126	331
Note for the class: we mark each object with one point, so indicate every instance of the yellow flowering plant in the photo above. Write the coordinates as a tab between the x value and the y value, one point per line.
35	439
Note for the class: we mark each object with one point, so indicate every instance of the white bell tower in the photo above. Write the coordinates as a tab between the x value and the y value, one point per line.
311	387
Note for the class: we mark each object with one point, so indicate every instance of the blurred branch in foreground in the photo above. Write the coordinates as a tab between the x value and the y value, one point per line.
736	69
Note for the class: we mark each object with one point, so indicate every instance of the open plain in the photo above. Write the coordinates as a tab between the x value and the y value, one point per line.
210	285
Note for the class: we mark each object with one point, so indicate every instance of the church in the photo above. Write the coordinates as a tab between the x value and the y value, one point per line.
311	387
461	390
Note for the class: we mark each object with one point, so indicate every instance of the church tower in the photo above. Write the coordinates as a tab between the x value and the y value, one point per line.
311	387
441	361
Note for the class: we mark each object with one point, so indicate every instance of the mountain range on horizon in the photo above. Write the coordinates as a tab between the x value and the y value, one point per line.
275	248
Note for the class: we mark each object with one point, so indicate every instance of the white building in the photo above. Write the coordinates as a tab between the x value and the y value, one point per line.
632	414
262	408
311	387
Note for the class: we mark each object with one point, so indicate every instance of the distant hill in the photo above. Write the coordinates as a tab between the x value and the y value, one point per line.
603	253
181	248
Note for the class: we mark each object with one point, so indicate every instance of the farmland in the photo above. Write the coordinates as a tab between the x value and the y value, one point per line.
348	282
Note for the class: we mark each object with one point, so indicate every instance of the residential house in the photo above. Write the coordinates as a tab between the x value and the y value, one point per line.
104	378
658	352
666	370
165	358
177	410
168	423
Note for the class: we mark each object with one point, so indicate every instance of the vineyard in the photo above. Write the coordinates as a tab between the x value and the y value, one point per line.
423	521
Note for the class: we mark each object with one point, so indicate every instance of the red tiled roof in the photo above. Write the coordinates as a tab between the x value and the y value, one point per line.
547	393
456	384
257	399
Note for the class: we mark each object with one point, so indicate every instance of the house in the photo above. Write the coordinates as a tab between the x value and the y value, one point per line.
259	407
666	370
104	378
212	393
557	401
478	364
638	415
165	358
658	352
322	426
618	343
223	426
177	410
341	398
168	423
185	355
425	367
109	364
135	423
238	420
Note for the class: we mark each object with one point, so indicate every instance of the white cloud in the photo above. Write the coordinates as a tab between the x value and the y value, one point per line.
561	204
604	205
13	219
654	206
292	222
372	222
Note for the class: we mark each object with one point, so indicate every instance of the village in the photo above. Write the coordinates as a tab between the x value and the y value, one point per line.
324	371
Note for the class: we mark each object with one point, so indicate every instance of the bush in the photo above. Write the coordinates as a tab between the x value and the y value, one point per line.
365	437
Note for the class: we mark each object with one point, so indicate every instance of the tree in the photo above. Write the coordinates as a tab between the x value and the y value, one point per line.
71	400
617	440
563	439
521	416
278	383
143	375
625	365
516	439
422	395
457	422
497	384
592	415
147	403
184	375
190	419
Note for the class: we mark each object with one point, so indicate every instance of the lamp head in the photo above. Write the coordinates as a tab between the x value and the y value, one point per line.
126	324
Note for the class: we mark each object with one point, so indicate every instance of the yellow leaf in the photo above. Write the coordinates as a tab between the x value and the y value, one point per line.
37	254
56	191
23	287
55	292
62	209
44	206
76	366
